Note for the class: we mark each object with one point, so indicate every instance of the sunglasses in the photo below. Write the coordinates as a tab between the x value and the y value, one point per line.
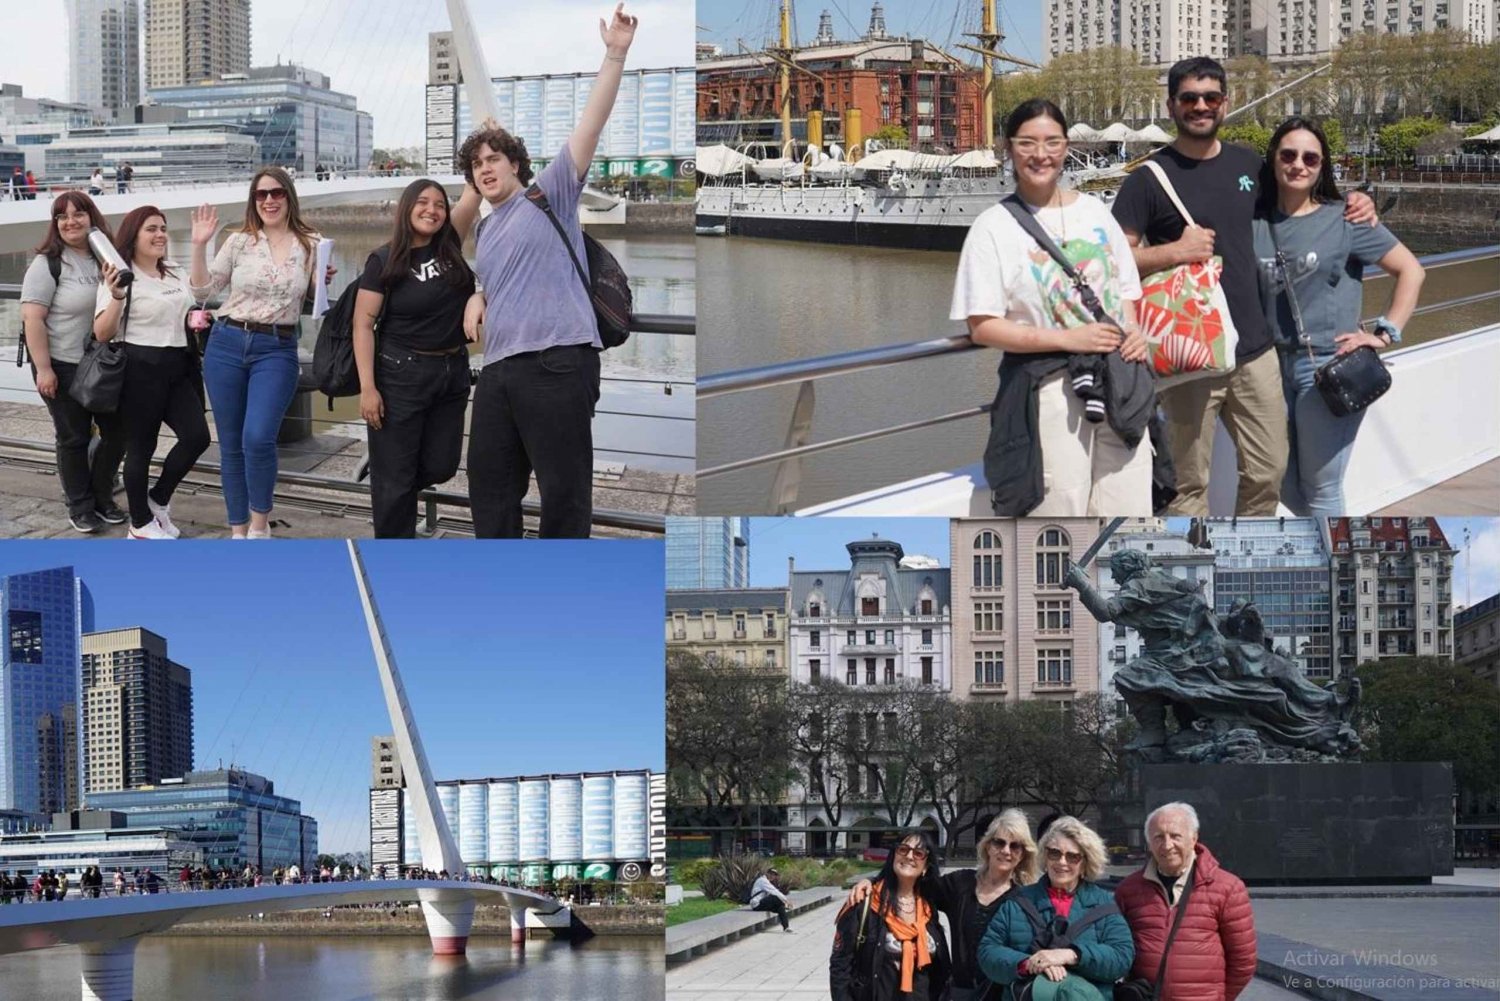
1211	98
1016	846
911	851
1310	159
1058	855
262	194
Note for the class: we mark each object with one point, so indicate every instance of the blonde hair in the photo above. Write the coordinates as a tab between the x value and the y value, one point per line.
1089	843
1013	824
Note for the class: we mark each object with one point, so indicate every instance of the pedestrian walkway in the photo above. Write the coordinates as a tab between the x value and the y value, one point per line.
697	938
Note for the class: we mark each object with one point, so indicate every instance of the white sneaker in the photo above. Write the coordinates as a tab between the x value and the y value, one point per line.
163	514
151	530
253	534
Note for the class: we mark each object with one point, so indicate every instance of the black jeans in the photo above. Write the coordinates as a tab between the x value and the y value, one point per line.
162	386
774	904
88	484
421	438
535	411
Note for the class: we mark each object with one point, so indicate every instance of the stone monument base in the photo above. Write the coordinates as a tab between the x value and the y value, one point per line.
1331	824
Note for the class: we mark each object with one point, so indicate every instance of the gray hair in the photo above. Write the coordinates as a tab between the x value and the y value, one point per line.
1186	809
1095	858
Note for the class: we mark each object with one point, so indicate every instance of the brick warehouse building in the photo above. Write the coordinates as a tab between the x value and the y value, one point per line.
890	80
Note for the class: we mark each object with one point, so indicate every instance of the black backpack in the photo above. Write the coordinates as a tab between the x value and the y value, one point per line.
605	282
333	368
54	265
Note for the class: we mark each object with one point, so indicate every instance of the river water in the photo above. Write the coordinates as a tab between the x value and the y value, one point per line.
766	301
358	968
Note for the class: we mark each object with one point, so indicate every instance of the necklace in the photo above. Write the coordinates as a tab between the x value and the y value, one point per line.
1062	239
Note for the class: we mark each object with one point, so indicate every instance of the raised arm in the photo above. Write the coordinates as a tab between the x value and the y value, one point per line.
205	224
617	36
1196	244
465	212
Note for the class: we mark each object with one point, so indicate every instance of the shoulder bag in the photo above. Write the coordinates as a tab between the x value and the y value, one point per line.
605	283
101	373
1184	313
1140	989
1028	222
1348	382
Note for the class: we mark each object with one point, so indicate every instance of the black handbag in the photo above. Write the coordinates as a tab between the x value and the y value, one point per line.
1141	989
1348	382
101	373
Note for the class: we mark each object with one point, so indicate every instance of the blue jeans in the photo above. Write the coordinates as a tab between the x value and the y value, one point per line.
251	379
1319	443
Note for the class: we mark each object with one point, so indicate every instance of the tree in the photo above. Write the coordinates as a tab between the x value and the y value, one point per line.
1252	78
820	717
1251	134
1333	131
891	136
1400	139
1429	709
1078	753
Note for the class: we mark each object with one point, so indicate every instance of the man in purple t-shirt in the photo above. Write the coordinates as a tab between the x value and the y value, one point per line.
534	405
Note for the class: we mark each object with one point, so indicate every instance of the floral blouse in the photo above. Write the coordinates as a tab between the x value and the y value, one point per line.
260	290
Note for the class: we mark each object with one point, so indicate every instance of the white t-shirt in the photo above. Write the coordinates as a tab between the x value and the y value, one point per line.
158	309
1002	271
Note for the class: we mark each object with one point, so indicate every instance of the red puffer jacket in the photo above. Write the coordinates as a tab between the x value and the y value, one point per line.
1213	956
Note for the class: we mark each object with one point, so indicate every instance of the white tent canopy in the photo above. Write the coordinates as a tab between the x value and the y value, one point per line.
1081	132
1492	136
716	161
889	159
1152	133
975	159
1115	132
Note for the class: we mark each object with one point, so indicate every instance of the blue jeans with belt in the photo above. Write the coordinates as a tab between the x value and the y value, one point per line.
1319	443
251	379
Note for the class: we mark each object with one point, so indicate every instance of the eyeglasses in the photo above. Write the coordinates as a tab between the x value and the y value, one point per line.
1026	147
1058	855
1310	159
1211	98
912	851
1016	846
261	194
72	217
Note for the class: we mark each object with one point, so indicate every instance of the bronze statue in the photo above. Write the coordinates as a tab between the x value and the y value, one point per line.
1234	699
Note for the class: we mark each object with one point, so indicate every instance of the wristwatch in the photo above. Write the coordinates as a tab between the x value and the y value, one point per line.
1384	326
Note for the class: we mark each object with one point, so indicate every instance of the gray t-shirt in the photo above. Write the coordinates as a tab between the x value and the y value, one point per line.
534	298
69	301
1325	259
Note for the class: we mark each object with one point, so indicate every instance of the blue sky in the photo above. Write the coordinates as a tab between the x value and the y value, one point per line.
755	22
818	543
518	657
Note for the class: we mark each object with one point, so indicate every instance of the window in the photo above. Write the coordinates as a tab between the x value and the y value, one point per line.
872	779
815	639
771	659
869	670
926	670
1054	666
869	637
1052	556
890	670
679	626
989	667
739	625
1054	615
853	675
854	779
989	616
1119	655
1366	640
1427	637
927	637
890	637
815	610
987	560
926	606
814	669
869	606
850	638
710	627
770	624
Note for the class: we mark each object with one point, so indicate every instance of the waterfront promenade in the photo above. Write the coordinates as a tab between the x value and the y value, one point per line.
1436	943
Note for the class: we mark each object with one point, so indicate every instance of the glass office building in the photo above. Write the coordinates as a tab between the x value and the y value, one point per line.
651	131
44	615
231	816
708	553
1282	565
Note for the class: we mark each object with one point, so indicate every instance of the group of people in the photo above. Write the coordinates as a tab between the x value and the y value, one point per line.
1078	427
1032	923
418	307
124	174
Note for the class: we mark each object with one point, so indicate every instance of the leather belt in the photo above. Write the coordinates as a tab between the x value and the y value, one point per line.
279	329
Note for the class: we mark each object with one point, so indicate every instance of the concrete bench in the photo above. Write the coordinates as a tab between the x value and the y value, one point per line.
695	938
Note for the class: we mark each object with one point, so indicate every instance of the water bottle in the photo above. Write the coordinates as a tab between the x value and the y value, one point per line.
105	253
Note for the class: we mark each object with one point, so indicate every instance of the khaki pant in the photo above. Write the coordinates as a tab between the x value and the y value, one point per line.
1086	468
1253	408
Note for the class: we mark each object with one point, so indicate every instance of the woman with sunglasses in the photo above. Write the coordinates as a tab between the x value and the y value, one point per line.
414	387
162	382
57	314
1061	937
1325	256
891	947
1066	431
250	364
969	898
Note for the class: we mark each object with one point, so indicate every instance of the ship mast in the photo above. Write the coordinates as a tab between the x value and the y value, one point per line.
990	38
785	52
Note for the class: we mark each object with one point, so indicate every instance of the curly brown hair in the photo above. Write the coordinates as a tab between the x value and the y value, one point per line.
502	142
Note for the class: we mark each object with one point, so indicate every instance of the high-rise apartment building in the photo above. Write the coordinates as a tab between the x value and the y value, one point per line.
104	55
1017	632
1280	564
442	60
1393	580
706	553
195	41
1159	31
137	711
43	615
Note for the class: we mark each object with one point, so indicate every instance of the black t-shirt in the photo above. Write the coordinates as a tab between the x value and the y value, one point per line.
423	312
1220	192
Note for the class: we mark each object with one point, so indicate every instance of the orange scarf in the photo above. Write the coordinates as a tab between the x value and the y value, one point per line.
913	936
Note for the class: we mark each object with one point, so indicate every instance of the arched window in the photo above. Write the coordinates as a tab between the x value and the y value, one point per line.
1053	553
987	560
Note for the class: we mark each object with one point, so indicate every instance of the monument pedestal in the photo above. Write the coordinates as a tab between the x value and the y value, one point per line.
1287	824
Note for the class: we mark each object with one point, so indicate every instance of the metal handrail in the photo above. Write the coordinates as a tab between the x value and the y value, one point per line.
808	369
